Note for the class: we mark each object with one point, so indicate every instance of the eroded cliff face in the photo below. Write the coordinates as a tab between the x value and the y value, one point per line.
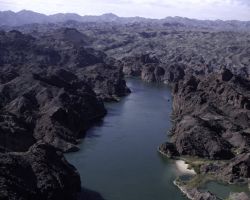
55	107
211	120
52	89
213	112
209	75
210	105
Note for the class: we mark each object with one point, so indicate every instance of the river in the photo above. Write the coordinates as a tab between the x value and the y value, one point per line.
119	158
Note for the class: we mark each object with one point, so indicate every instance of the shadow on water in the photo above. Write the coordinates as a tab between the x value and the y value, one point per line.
112	112
90	195
164	160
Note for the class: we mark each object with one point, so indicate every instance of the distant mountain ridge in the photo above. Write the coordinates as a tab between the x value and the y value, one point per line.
10	18
23	17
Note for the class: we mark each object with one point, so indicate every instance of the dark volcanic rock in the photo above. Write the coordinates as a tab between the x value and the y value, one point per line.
106	80
55	106
52	89
65	48
40	173
49	86
209	116
143	66
196	137
238	167
51	82
15	134
227	75
237	170
168	149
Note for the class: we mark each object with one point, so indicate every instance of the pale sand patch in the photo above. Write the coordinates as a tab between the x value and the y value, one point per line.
183	167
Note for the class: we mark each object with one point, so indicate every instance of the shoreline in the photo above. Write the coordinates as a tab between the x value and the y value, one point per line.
179	163
183	167
194	193
183	190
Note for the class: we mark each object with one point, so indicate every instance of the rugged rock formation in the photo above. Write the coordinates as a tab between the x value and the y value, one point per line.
211	120
107	81
168	149
238	196
150	69
40	173
62	79
48	91
64	48
195	194
54	107
211	115
52	89
237	170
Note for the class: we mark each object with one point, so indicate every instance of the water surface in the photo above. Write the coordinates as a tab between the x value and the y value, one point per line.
118	158
223	190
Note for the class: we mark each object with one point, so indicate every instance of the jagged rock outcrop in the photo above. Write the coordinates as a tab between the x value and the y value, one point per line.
150	69
142	66
211	120
196	137
65	48
107	81
54	106
238	167
168	149
53	88
40	173
211	115
195	194
237	170
238	196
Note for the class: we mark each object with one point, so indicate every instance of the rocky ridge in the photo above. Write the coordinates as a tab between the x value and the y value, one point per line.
24	17
52	90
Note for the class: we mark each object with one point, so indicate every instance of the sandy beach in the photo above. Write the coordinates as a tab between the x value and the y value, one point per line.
183	167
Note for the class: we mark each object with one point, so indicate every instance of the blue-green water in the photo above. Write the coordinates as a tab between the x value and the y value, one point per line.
223	190
118	158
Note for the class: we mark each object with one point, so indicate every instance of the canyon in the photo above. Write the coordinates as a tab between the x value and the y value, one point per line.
56	76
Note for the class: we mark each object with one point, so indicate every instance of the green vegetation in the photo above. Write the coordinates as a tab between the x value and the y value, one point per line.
199	179
195	182
196	162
